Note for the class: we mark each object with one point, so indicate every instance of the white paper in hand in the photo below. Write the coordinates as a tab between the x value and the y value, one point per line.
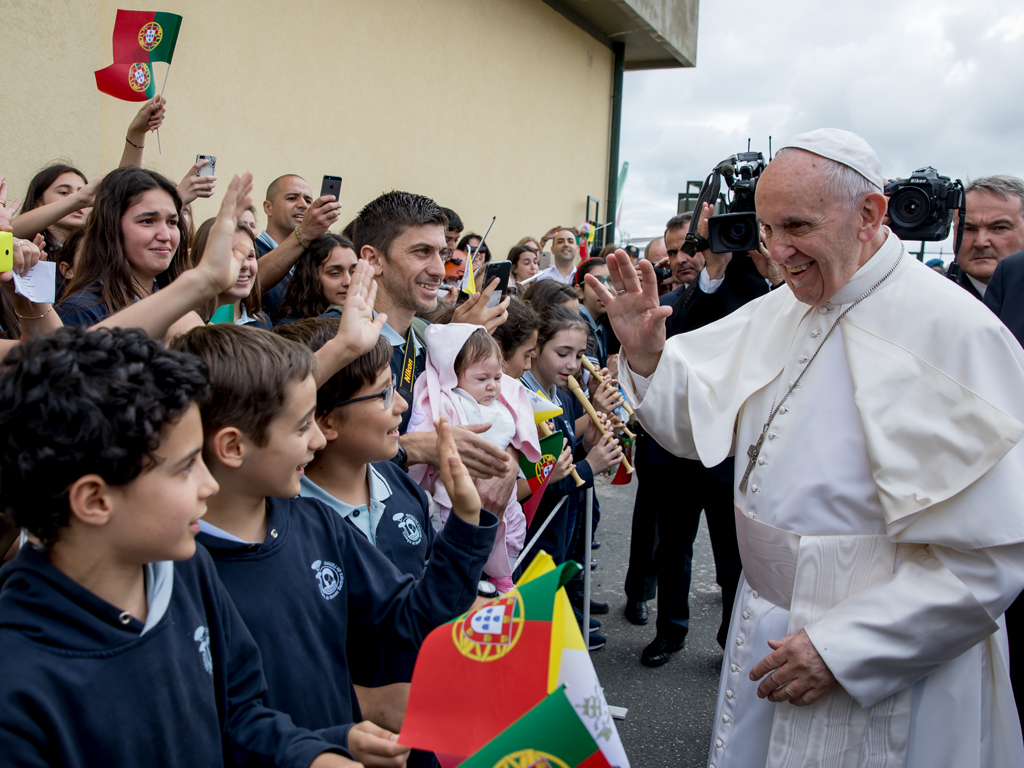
40	284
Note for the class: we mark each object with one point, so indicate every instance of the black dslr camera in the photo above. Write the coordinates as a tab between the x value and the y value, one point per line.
921	207
736	230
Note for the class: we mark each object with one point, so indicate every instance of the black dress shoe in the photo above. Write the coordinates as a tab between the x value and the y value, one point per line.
593	565
596	607
596	642
660	651
595	545
636	612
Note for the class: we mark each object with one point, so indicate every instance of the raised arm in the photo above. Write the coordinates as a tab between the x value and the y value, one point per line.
319	217
149	118
358	329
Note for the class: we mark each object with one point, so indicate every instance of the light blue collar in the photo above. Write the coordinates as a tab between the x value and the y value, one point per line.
380	492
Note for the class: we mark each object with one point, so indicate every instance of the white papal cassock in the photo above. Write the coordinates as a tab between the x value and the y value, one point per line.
885	514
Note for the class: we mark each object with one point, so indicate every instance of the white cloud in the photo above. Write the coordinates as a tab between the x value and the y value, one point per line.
925	83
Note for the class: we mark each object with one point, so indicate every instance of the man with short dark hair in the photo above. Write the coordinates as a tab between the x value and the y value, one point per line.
402	236
993	229
565	251
294	220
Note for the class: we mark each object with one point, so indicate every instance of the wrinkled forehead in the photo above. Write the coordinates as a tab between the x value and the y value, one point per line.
791	184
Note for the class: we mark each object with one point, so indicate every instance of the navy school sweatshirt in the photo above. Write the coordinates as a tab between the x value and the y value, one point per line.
82	688
404	536
316	580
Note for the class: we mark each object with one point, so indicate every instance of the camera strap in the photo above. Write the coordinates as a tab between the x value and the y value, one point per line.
708	194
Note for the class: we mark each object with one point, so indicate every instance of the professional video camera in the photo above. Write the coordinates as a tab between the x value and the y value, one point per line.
921	207
736	230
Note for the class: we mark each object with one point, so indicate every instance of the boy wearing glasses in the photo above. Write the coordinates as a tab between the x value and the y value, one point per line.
303	578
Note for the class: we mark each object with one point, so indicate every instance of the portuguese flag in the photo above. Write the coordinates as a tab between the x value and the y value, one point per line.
548	736
145	36
130	82
536	473
479	674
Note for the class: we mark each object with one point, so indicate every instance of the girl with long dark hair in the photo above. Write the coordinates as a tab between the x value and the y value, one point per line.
320	280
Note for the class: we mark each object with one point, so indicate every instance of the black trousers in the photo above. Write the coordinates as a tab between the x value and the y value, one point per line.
666	516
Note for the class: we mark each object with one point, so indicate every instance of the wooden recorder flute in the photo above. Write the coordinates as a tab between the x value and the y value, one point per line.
544	431
582	397
601	380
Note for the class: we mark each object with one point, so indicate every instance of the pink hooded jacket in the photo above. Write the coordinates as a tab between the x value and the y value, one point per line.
434	397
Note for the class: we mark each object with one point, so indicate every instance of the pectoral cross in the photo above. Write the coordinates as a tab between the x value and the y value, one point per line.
753	452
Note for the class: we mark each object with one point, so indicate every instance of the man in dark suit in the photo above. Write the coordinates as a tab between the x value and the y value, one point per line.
993	229
722	284
1005	297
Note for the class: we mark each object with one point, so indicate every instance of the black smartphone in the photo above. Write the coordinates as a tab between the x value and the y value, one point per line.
501	270
331	186
210	169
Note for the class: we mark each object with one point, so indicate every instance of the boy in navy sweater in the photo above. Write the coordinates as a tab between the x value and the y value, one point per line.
354	476
120	647
302	577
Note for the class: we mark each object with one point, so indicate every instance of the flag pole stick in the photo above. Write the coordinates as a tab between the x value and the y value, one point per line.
166	73
536	536
588	531
474	251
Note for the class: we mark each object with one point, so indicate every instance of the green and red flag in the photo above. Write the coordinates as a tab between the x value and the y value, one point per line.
537	472
480	673
130	82
145	36
548	736
622	477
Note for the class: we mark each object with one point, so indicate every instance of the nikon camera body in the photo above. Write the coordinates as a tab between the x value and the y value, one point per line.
921	207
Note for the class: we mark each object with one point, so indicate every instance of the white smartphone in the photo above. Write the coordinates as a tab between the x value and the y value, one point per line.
210	169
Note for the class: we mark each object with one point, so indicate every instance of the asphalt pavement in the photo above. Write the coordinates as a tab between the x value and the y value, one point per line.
671	708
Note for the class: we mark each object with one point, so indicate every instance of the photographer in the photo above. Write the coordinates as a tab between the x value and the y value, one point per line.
993	229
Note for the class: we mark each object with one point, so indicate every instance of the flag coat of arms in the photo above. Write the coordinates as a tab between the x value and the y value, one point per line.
548	736
129	82
145	36
480	673
537	472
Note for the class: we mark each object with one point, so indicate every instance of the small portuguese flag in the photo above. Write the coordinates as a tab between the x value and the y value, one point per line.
145	36
536	472
478	674
130	82
550	735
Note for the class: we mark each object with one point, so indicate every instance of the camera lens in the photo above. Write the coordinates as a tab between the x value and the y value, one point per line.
909	207
736	235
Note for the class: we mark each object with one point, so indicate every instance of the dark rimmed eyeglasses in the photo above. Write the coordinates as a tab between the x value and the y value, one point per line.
388	395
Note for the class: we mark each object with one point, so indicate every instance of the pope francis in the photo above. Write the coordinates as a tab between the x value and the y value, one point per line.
876	412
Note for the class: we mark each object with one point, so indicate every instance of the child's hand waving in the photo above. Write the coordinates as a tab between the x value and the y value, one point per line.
455	476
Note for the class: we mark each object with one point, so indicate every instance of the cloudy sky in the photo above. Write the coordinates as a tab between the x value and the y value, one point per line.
931	82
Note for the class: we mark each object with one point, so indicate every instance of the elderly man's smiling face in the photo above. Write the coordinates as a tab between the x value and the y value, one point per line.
815	237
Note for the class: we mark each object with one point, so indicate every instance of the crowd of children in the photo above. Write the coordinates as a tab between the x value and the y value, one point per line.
235	525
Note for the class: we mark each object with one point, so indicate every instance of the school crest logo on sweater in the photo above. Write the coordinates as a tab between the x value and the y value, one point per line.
202	636
329	577
410	527
488	633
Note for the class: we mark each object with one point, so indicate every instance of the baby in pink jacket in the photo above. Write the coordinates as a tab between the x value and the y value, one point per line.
463	382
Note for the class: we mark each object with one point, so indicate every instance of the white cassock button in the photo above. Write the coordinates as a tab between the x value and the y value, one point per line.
746	615
719	743
755	489
762	461
729	694
739	641
753	516
823	310
754	594
789	385
734	667
784	409
802	359
772	435
711	766
815	333
726	719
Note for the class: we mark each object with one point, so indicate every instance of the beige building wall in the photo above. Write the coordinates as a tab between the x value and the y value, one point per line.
491	107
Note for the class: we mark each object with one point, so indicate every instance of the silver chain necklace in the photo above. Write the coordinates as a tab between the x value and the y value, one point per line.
755	450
